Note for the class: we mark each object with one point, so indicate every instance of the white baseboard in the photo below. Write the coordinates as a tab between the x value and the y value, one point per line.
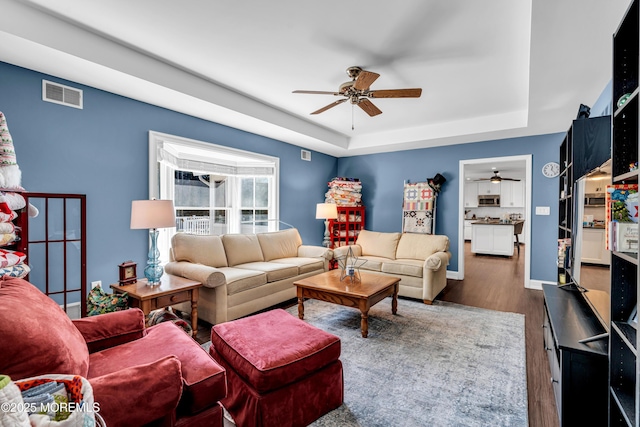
453	275
73	310
537	284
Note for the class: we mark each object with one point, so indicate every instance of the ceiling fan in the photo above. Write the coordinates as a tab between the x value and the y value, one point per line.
357	92
496	178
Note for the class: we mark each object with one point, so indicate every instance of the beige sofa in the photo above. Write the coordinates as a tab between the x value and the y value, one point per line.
419	259
244	273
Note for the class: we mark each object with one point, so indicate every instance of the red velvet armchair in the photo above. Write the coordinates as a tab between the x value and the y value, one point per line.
140	376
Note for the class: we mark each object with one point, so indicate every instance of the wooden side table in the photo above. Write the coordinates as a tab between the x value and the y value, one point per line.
171	290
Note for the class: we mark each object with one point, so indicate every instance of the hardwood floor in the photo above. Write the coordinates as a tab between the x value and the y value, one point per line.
497	283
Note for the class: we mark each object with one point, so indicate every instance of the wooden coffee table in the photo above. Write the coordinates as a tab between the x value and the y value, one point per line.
371	289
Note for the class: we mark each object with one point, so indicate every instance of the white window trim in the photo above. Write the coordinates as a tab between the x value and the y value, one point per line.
156	173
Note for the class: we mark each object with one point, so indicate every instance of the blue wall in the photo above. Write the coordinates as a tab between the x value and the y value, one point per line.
383	177
102	151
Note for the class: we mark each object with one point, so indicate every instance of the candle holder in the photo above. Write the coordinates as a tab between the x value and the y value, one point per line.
350	266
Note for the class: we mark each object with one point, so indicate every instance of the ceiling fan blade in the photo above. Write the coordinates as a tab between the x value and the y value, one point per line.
364	80
368	107
333	104
510	179
396	93
316	92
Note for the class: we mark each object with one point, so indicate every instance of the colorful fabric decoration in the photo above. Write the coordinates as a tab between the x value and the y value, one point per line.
418	205
100	302
163	315
10	258
344	192
18	271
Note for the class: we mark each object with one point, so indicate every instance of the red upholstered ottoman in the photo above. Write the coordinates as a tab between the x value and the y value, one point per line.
281	371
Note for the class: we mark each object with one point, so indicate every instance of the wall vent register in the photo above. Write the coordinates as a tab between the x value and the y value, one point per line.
61	94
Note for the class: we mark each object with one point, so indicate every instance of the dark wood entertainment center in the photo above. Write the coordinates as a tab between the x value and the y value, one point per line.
579	370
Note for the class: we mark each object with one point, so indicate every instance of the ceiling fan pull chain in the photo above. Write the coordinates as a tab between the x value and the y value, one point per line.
352	126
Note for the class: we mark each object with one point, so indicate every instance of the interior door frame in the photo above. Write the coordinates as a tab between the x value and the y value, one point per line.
528	210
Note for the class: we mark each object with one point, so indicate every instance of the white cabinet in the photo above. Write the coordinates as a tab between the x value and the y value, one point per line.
471	195
593	246
487	187
467	228
512	194
492	239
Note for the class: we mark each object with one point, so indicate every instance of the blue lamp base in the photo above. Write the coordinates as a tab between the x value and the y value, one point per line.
153	271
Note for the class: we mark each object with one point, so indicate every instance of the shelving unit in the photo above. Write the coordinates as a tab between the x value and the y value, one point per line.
565	211
344	230
578	369
623	343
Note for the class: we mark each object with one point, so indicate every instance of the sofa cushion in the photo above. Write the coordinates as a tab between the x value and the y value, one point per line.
405	267
28	348
305	265
198	249
242	248
279	244
239	279
421	246
204	380
274	271
374	263
374	243
274	348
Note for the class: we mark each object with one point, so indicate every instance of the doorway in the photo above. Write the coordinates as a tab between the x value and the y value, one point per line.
480	170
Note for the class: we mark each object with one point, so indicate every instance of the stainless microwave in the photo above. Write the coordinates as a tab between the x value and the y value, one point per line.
594	199
488	200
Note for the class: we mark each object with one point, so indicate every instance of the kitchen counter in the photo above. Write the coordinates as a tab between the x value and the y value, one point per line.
494	237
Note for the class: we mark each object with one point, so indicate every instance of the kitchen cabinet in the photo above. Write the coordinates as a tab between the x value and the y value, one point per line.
468	229
471	195
594	246
492	239
512	194
487	187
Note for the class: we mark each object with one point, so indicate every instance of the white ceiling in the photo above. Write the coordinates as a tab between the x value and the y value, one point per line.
489	70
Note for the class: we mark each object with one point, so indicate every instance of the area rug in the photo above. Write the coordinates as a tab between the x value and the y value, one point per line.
439	365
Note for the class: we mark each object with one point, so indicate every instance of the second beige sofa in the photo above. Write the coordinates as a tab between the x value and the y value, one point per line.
420	260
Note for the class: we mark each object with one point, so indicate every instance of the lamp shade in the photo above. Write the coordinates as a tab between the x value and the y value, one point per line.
152	214
326	211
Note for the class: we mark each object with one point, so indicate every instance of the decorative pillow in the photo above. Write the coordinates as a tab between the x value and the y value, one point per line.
100	302
9	258
18	271
162	315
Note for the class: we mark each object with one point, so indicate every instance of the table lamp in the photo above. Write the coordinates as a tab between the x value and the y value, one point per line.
326	211
153	214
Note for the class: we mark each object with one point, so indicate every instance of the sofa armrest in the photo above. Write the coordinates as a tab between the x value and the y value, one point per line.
111	329
342	251
210	277
140	394
310	251
437	260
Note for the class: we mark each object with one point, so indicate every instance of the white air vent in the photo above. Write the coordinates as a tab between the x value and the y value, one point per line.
305	155
61	94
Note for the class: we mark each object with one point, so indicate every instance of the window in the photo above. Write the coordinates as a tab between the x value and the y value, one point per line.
215	189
